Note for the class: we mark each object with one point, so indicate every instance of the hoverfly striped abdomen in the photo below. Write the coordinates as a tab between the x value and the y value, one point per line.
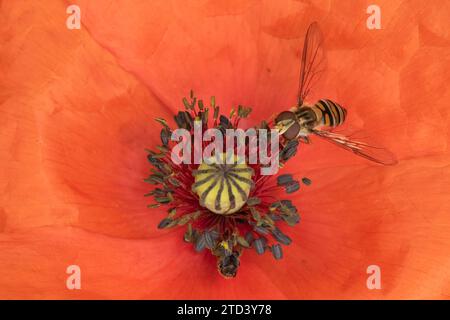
329	113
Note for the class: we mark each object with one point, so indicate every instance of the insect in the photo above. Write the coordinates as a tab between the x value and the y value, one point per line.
324	116
229	264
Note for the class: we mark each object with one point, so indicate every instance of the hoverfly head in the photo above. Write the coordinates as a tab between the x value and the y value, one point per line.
287	124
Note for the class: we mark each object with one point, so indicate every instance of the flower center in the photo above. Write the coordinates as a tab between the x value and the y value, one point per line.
222	188
230	207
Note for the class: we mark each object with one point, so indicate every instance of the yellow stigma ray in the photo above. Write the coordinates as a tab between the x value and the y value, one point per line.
222	188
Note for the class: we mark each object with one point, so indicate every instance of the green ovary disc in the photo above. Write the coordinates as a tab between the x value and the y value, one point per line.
222	188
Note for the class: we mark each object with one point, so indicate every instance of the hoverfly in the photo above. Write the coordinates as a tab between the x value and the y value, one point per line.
320	119
229	264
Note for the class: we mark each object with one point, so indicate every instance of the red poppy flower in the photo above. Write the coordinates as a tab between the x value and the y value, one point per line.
77	110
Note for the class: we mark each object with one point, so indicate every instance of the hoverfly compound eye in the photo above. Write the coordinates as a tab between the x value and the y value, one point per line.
285	115
289	129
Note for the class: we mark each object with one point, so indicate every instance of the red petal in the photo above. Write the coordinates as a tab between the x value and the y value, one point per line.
76	114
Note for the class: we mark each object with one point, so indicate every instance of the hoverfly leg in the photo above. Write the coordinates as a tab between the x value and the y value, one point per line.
304	139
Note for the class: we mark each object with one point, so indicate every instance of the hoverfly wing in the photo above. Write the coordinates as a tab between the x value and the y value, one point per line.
360	148
313	61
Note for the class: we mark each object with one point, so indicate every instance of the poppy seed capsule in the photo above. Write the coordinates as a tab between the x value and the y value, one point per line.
222	188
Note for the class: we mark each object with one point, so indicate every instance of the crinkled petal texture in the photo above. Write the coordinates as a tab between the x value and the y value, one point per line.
77	109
